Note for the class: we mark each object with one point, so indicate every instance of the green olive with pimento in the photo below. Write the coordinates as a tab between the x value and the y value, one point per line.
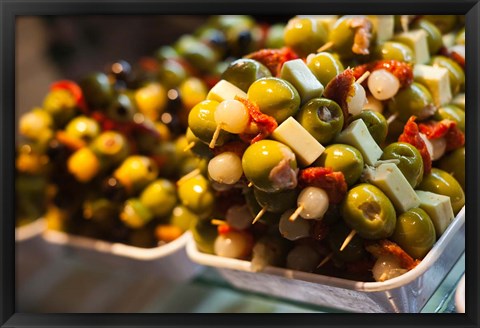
410	161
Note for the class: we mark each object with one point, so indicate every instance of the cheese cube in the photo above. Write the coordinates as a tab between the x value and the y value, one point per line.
301	77
383	26
293	134
417	41
225	90
388	178
438	207
437	81
358	136
449	39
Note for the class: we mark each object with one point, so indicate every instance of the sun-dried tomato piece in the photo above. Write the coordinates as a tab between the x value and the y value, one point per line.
339	89
411	135
445	128
388	247
75	90
325	178
273	59
266	124
401	70
459	59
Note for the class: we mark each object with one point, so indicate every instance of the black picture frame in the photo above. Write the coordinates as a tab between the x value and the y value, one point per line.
10	9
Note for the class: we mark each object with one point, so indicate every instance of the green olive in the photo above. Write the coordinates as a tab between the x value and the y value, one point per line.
136	172
166	52
199	148
277	202
459	101
197	53
270	165
342	34
323	118
434	36
182	217
455	72
134	214
275	97
376	124
103	212
201	122
172	73
460	38
191	163
454	163
441	182
392	50
445	23
410	161
61	105
160	197
242	39
97	90
412	100
254	207
324	66
274	39
196	194
415	233
111	147
83	127
342	158
121	109
354	251
204	233
453	113
368	211
304	35
243	72
36	125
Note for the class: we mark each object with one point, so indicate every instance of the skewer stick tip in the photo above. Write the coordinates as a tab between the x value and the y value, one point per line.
189	146
325	260
187	176
259	215
326	46
363	77
348	239
250	184
392	118
217	222
295	214
215	136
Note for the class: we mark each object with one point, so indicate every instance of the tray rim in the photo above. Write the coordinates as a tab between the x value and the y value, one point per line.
410	276
30	230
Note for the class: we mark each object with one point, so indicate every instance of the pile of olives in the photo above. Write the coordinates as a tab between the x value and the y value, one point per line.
291	153
103	156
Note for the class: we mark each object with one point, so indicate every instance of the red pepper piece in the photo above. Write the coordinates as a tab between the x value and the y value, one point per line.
401	70
273	59
339	89
445	128
265	123
411	135
75	90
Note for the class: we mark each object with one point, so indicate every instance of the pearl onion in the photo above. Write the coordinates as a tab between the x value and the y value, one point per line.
314	201
439	146
373	104
382	84
233	244
239	217
232	115
387	267
356	102
293	230
225	168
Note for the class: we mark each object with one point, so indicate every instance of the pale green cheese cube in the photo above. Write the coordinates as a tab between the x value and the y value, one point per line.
437	81
383	27
356	134
388	178
225	90
417	41
301	77
306	148
439	208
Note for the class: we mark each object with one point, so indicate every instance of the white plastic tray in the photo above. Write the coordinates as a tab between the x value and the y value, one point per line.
30	231
460	296
407	293
168	262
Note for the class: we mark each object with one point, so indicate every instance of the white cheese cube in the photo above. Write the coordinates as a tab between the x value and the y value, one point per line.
437	81
383	26
449	39
301	77
388	178
225	90
304	145
417	41
438	207
358	136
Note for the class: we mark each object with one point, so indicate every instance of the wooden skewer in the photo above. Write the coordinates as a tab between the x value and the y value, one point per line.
326	46
348	239
259	215
215	136
217	222
392	118
363	77
250	184
189	146
325	260
187	176
295	214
